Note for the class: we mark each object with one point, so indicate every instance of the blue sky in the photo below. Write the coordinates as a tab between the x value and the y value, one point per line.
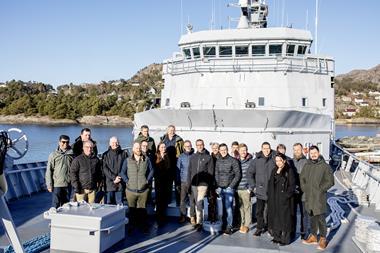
63	41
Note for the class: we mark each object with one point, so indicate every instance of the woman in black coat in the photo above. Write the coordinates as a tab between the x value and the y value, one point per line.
162	182
281	188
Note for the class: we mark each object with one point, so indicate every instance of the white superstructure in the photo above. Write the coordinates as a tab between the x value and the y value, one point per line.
250	84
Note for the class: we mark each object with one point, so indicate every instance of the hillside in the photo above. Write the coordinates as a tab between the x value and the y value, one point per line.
108	98
357	95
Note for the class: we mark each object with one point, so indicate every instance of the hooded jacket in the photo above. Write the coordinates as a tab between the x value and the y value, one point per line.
112	160
58	168
201	169
259	173
316	178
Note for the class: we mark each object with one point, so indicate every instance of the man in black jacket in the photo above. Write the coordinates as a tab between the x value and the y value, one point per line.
113	159
200	176
85	135
86	174
258	176
227	176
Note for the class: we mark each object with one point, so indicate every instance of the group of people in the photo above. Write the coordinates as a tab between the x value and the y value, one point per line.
280	184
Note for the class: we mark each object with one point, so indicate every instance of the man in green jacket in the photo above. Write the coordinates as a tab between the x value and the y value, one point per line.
316	178
57	175
144	136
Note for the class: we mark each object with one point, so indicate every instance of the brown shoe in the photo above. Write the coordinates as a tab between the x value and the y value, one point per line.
244	229
182	219
322	244
312	239
192	221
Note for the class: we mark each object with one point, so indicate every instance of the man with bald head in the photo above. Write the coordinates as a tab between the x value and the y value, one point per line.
113	159
137	173
86	174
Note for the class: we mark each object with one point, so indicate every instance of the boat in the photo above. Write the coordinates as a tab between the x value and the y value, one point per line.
251	84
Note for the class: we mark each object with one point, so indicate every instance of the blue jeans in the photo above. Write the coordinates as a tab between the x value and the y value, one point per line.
114	198
60	196
228	200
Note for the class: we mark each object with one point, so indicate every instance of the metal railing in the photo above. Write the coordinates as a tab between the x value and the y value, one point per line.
250	64
362	174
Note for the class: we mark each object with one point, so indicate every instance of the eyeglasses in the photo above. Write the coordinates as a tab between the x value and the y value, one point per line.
65	142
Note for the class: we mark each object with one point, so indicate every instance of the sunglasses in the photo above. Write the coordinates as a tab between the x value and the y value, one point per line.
65	142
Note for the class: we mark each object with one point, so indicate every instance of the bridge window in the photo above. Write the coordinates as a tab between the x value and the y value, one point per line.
167	102
241	51
275	50
324	100
261	101
209	51
258	50
290	50
304	102
301	50
187	53
196	52
225	51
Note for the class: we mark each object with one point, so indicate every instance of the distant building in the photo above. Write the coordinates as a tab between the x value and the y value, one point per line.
358	100
364	104
135	84
346	99
349	112
374	93
357	93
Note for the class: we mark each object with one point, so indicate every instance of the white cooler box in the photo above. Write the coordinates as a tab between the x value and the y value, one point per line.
86	229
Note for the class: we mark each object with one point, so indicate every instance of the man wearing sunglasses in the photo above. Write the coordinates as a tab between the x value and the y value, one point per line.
57	172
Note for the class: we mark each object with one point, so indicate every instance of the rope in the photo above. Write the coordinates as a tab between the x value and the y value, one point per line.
35	245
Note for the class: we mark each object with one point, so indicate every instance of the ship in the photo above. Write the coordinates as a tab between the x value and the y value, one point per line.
250	84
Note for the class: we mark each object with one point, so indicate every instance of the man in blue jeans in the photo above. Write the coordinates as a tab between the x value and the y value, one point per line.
227	176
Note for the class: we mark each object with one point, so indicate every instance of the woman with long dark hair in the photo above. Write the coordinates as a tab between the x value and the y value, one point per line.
281	188
162	182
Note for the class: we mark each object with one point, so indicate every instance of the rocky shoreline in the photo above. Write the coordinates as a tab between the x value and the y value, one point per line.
357	121
86	120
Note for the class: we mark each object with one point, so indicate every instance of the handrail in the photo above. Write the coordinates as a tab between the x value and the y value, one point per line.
371	166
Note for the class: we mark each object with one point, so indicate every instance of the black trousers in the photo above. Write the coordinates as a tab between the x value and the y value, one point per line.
318	222
305	220
281	236
60	196
261	214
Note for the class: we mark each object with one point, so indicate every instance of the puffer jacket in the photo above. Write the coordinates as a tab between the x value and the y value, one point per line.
112	160
227	172
259	173
244	165
85	173
58	168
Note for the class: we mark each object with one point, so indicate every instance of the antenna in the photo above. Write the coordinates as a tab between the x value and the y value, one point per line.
307	19
316	26
181	23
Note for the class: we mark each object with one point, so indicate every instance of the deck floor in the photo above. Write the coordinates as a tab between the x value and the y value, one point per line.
172	237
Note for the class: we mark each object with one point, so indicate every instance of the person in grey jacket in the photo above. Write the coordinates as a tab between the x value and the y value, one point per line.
227	176
182	174
57	175
244	192
298	163
258	176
